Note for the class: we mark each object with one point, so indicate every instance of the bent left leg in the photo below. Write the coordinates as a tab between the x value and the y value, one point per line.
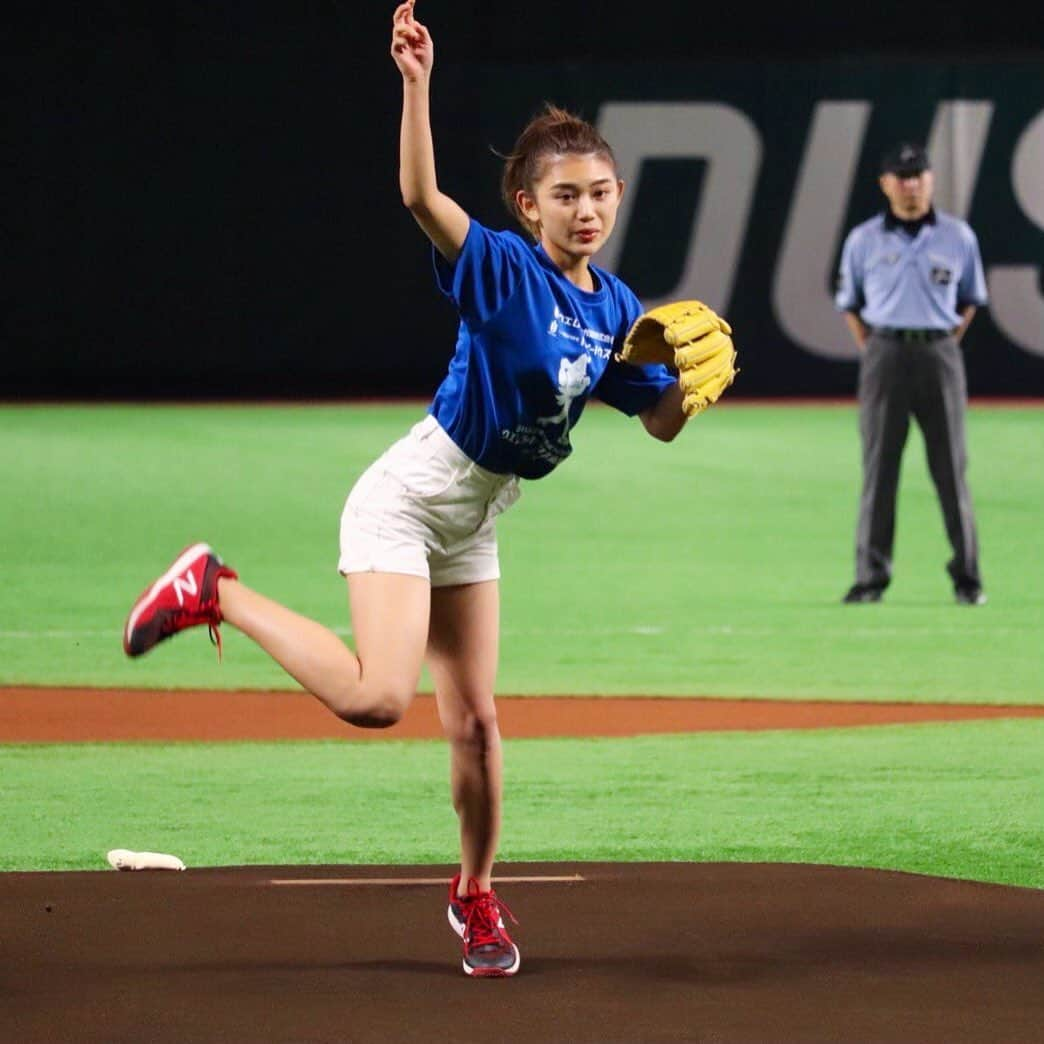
463	645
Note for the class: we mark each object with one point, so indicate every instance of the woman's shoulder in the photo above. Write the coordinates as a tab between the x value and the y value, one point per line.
505	238
504	249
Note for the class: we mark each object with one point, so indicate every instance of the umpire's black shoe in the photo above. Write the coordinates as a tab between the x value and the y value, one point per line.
969	594
862	593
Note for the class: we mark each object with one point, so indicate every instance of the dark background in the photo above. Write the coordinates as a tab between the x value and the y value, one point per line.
203	199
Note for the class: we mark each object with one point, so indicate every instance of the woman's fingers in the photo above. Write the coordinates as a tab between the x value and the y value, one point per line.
403	36
407	34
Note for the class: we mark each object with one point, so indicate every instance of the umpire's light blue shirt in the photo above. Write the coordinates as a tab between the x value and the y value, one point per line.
890	278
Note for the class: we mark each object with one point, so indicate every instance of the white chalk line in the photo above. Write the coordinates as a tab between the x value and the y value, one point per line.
643	630
404	881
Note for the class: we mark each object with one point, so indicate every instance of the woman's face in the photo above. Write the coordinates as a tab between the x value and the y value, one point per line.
574	203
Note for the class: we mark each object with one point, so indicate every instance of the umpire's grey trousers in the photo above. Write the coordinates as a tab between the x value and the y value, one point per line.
898	379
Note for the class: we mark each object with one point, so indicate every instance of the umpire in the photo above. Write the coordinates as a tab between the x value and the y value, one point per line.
909	284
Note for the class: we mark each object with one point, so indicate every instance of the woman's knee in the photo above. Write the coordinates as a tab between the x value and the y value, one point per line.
374	708
472	729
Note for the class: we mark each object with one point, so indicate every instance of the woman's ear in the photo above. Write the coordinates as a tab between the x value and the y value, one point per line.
527	206
528	212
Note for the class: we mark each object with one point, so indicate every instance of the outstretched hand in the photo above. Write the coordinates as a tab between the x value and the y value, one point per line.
411	48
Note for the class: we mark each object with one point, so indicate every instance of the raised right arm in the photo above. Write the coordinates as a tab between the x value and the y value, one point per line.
443	220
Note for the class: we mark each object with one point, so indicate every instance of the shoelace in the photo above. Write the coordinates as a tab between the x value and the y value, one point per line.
215	636
482	919
209	614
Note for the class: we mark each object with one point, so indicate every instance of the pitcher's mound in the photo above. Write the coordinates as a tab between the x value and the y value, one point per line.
611	952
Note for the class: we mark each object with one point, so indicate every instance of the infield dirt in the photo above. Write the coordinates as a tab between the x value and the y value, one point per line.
730	953
69	715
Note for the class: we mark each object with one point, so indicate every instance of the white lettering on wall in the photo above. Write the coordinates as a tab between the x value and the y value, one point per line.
802	289
956	146
803	279
731	146
1015	290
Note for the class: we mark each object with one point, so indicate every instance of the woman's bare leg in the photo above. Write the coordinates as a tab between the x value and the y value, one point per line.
463	644
371	687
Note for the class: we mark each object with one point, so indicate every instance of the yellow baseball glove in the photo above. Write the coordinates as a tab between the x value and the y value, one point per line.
689	337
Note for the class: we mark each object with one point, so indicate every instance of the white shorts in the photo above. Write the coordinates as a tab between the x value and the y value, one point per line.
426	509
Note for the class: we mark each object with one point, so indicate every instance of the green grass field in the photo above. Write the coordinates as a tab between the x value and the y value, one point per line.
960	800
712	566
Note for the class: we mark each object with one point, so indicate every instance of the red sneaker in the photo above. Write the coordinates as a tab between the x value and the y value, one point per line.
475	917
184	596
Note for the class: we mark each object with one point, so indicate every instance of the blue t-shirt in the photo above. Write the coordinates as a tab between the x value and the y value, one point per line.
532	348
890	278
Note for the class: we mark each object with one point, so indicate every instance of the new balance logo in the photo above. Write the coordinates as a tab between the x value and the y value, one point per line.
184	585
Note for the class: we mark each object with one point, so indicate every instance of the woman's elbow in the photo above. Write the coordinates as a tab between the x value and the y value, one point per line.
415	194
663	430
666	434
412	200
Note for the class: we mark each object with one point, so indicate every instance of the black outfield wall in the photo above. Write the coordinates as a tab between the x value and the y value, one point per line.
206	203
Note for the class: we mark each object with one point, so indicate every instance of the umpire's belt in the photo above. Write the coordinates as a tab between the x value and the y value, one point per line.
911	336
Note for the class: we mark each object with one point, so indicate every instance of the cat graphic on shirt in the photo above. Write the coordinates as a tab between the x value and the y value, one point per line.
572	381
